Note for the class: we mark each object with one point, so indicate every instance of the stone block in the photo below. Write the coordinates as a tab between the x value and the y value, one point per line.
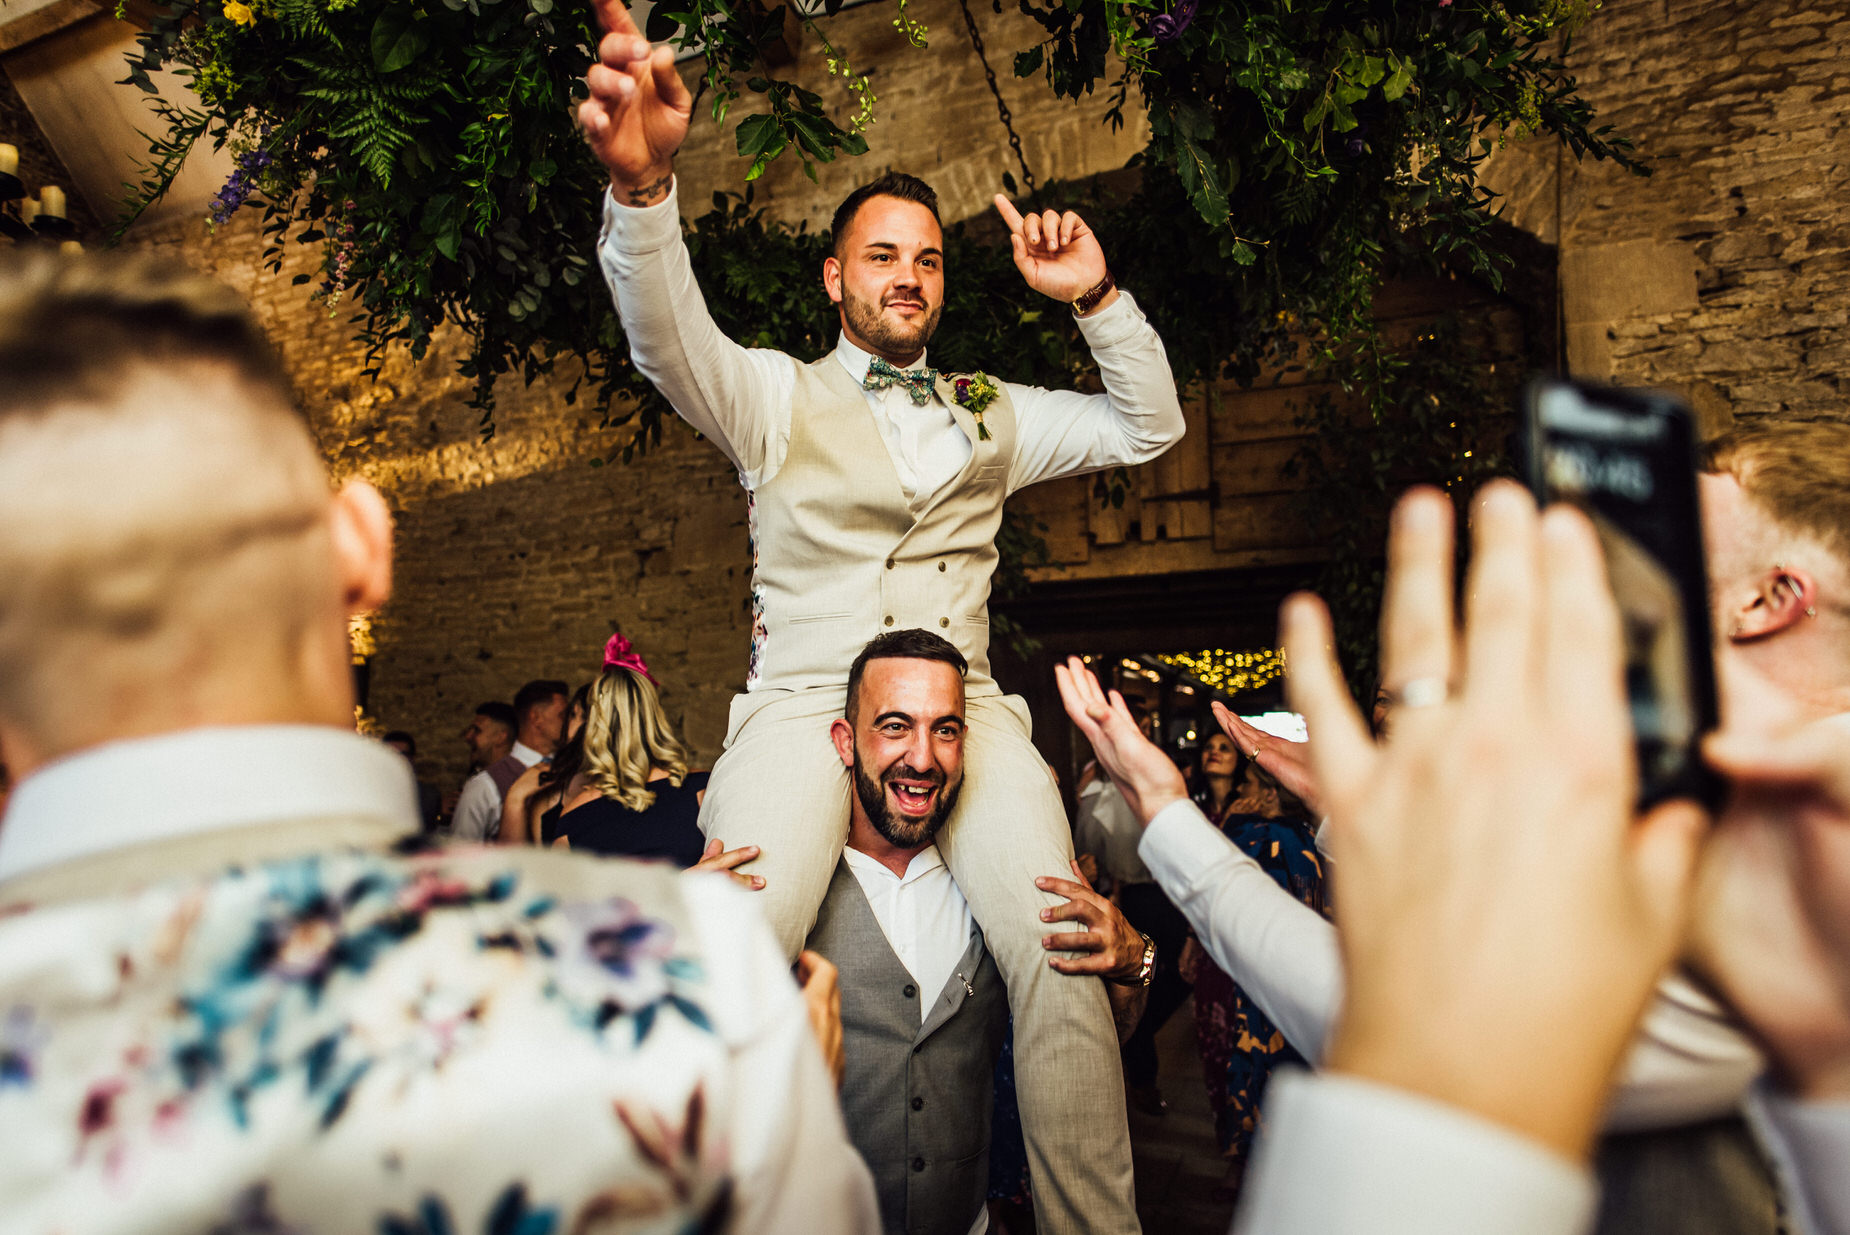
1627	278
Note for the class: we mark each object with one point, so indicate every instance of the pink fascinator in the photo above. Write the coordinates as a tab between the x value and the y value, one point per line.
618	654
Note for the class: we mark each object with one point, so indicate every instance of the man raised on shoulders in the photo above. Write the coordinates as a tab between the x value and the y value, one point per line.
876	488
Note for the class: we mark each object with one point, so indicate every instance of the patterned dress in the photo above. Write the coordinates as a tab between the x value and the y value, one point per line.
1239	1045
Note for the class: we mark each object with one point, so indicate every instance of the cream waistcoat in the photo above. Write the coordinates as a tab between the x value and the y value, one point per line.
838	556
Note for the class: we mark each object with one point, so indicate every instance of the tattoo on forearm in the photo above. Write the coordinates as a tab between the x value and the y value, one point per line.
646	194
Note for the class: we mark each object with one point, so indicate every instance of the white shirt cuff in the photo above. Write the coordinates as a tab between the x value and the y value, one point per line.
1179	843
1113	324
641	229
1343	1154
1810	1146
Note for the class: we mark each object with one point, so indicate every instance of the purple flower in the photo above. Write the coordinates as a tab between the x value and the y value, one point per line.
242	184
1168	27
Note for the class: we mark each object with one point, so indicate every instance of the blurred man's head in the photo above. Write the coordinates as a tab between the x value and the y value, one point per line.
172	554
490	734
1776	515
902	734
539	714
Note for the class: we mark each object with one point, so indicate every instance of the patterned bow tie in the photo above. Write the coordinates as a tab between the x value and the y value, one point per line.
918	382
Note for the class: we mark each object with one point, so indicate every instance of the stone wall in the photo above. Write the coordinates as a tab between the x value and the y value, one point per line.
1726	274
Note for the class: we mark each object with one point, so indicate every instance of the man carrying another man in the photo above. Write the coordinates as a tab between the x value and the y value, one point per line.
923	1008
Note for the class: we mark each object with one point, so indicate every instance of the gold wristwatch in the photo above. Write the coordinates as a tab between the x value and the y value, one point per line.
1148	968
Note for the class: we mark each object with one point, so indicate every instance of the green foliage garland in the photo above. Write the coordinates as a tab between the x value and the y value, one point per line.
1299	148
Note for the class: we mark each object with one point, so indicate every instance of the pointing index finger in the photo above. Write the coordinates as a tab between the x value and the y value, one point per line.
614	16
1010	215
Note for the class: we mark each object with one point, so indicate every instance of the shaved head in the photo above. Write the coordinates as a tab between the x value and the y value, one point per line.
165	518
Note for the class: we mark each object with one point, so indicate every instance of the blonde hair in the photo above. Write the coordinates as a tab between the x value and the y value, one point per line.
162	504
627	736
1794	471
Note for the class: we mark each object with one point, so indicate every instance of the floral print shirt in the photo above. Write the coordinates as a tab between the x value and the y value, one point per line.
375	1038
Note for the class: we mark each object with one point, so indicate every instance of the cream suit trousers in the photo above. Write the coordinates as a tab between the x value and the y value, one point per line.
781	786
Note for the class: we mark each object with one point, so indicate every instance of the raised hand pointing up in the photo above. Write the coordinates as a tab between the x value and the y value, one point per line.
637	115
1056	253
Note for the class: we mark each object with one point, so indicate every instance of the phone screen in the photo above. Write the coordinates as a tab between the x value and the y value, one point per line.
1628	459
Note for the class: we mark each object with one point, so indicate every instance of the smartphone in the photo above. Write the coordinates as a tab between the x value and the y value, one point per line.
1628	458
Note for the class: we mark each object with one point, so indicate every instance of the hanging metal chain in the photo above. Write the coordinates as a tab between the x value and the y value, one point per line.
1002	109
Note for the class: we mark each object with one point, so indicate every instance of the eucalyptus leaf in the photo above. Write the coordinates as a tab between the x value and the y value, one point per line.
396	38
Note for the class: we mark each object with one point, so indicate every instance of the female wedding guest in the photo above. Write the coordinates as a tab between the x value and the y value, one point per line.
546	780
1239	1046
639	800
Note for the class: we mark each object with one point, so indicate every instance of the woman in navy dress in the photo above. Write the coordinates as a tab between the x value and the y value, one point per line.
639	799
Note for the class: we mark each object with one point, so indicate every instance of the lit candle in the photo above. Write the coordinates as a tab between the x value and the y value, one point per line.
9	159
72	248
51	202
28	209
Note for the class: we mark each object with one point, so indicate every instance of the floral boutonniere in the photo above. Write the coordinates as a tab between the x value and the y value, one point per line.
974	393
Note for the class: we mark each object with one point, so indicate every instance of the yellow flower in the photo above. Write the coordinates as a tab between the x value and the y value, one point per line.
240	13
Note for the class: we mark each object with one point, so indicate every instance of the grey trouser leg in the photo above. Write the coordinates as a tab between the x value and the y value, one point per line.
781	786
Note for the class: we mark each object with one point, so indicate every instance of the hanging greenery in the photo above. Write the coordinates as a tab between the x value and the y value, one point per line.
427	148
1299	148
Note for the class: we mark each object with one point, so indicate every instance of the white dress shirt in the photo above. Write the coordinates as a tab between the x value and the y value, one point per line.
741	397
1340	1154
1689	1061
478	808
923	915
468	1065
159	788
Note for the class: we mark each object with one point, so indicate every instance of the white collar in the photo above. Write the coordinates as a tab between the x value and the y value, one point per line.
200	780
923	863
526	754
855	360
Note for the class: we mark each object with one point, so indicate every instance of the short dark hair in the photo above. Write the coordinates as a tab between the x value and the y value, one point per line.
399	735
911	644
498	712
537	693
892	184
76	329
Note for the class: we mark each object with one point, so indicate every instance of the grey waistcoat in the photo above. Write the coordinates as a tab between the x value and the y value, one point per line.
916	1097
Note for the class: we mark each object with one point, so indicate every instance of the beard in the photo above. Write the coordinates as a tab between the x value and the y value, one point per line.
891	337
894	828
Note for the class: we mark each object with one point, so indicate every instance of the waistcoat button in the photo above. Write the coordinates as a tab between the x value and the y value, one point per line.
944	621
889	564
918	1104
889	619
940	567
918	1164
909	990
